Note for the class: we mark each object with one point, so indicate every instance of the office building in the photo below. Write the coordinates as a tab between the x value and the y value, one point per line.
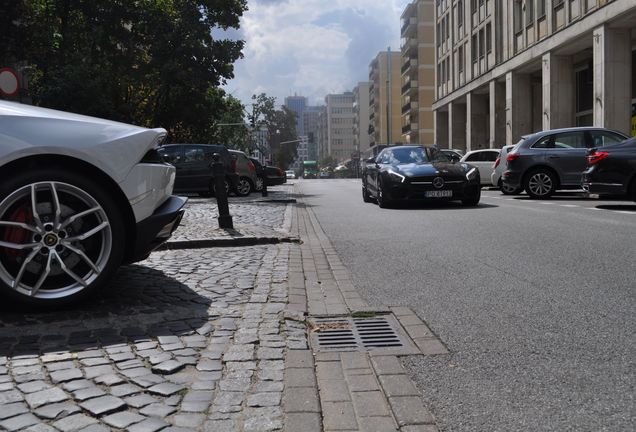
297	104
506	68
339	126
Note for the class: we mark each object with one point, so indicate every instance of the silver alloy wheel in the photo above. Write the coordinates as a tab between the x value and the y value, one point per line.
55	240
259	184
540	184
244	187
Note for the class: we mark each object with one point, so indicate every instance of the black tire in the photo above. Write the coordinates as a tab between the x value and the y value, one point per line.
365	194
509	190
259	184
381	197
244	187
540	183
472	200
75	193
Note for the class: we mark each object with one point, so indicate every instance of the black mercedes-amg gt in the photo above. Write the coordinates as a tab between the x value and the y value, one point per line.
420	174
612	170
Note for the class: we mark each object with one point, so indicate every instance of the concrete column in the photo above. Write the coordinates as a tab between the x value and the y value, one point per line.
558	92
612	76
441	128
518	106
497	115
457	125
477	125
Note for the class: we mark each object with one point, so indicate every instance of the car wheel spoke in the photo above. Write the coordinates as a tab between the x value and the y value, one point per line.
22	225
68	271
27	260
45	273
18	246
34	210
80	215
82	255
57	208
87	234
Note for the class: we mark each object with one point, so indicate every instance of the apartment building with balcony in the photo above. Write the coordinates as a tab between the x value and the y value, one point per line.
418	72
385	107
506	68
361	116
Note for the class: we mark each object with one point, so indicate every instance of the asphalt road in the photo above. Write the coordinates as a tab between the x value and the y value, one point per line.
534	299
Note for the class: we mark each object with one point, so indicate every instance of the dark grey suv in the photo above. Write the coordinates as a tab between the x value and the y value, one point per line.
549	160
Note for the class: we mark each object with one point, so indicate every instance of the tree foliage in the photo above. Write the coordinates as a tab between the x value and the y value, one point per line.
154	63
280	125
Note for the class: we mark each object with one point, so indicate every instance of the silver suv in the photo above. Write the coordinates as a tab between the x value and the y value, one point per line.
546	161
246	171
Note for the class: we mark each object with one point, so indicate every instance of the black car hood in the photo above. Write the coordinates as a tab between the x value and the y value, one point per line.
431	169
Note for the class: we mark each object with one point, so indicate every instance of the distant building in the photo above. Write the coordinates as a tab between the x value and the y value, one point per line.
311	119
303	153
297	104
509	68
322	135
361	116
385	107
418	72
340	140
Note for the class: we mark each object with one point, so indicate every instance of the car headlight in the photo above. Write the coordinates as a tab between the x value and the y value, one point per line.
395	176
471	174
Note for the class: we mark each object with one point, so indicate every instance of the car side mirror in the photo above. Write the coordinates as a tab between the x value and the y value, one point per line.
370	160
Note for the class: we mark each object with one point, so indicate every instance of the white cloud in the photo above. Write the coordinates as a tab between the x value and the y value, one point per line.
312	47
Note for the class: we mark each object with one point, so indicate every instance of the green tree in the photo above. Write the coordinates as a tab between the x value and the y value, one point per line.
150	62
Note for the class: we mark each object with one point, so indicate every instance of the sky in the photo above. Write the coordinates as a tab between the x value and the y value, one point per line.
311	47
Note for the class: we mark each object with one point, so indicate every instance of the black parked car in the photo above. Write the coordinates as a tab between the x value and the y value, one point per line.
546	161
420	174
194	167
273	175
612	170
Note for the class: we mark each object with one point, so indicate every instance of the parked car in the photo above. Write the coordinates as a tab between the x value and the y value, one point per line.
79	196
194	167
290	174
612	170
246	171
454	154
484	160
419	174
269	175
324	174
550	160
498	169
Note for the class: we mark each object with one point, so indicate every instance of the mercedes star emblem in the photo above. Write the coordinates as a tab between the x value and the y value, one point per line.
438	182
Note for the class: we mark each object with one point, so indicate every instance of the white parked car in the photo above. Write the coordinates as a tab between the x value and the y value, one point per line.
498	169
290	174
482	159
79	196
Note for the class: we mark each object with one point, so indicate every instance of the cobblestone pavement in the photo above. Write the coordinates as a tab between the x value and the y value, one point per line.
253	216
187	340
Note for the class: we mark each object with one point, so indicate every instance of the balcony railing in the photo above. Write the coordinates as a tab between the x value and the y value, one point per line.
412	84
409	107
408	44
407	23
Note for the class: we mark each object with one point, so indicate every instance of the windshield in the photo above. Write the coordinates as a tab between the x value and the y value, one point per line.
416	155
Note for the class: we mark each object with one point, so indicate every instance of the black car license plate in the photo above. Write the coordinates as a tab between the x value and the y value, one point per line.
439	194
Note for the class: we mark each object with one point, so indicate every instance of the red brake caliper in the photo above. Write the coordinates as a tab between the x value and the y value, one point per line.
17	235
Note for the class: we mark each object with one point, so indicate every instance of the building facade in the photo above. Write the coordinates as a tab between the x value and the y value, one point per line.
311	119
385	107
297	104
418	72
340	117
506	68
361	117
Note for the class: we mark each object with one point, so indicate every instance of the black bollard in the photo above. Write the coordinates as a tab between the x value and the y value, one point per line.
225	219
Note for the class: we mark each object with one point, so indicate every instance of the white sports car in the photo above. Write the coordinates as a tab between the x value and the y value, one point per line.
79	196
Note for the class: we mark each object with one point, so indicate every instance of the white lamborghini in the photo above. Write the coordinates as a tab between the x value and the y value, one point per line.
79	196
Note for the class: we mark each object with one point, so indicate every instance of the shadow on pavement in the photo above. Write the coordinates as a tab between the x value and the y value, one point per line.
448	205
140	303
624	207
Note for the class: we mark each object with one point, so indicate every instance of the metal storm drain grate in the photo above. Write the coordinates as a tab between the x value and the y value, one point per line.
381	332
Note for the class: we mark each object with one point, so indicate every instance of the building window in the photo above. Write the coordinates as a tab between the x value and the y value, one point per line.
517	15
540	8
482	45
584	96
529	12
460	59
489	38
460	13
473	6
473	49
